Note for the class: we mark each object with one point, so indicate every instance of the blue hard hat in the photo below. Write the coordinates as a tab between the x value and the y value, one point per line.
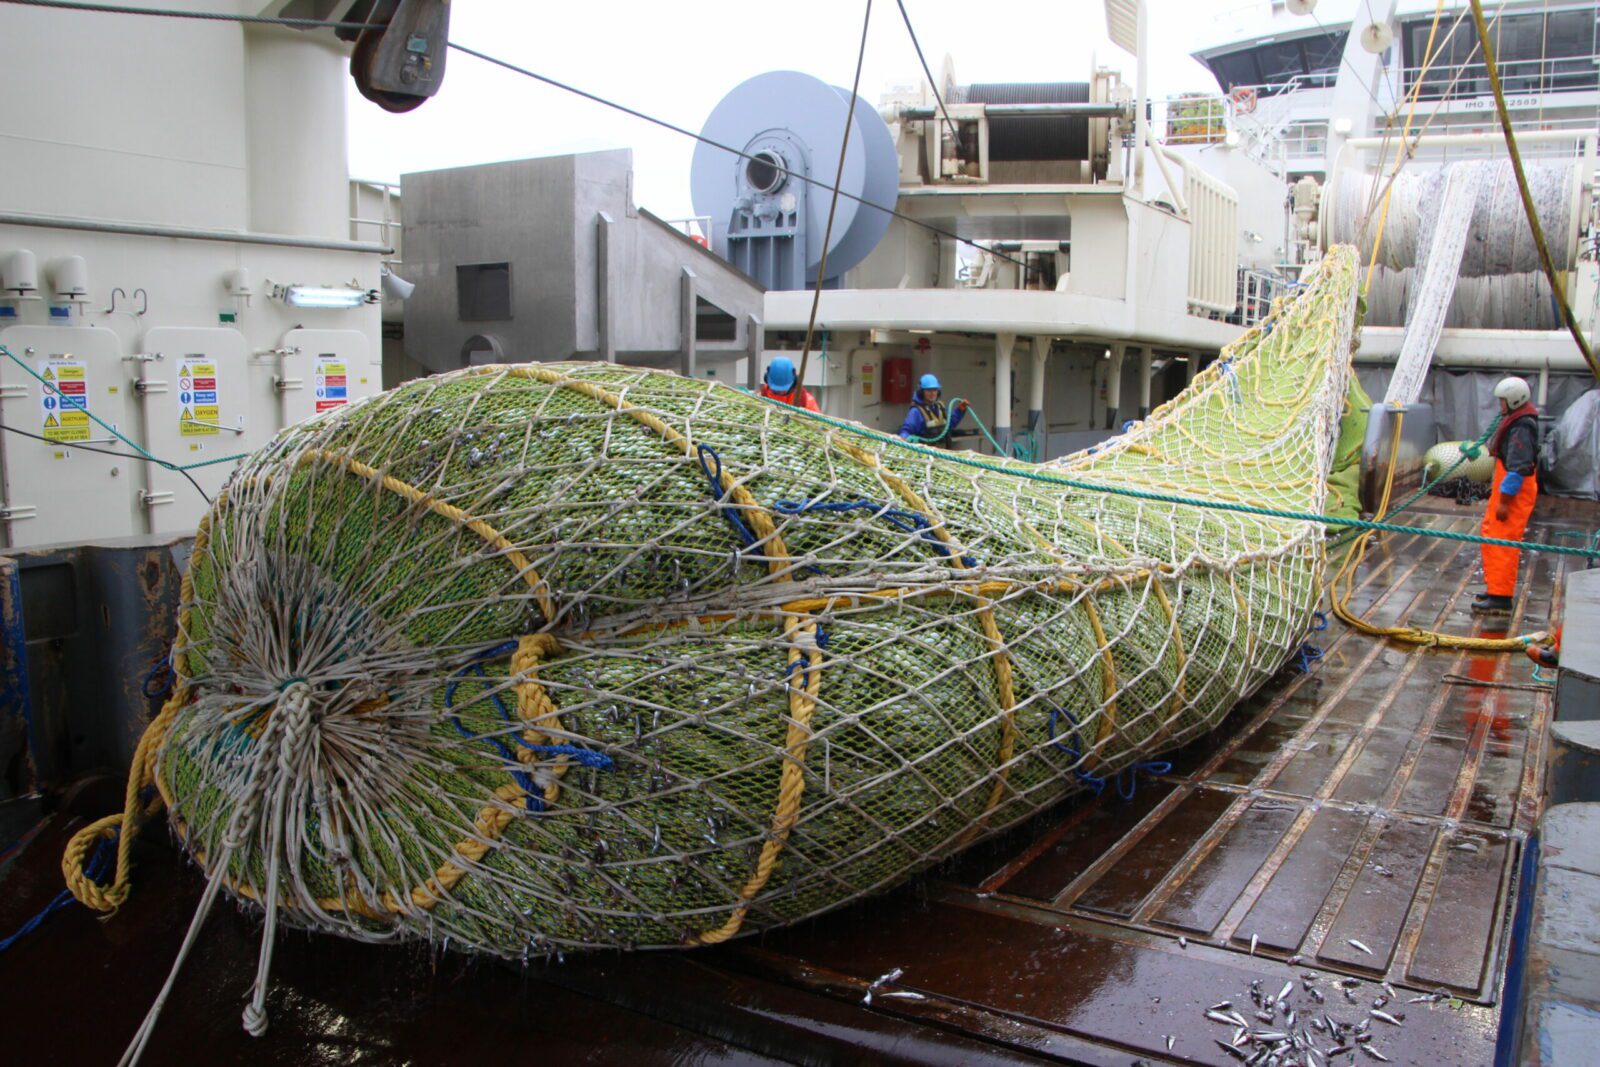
929	381
780	375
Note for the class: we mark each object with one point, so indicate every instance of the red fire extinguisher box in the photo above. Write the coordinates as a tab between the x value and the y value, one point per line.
897	380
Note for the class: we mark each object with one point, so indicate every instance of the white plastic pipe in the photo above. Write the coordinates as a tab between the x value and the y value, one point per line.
1141	95
1004	343
187	233
1174	186
1114	386
1041	355
1144	381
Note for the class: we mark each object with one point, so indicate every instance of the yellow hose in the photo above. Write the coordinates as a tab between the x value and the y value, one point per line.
1342	586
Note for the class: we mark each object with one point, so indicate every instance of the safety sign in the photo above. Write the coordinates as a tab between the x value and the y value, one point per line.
199	412
64	400
331	382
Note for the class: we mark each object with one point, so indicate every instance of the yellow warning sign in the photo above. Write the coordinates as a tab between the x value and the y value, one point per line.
64	401
200	412
331	382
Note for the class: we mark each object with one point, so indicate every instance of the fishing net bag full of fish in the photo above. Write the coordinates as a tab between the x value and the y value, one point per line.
547	657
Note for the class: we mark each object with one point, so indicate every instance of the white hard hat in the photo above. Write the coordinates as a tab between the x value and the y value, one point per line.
1514	391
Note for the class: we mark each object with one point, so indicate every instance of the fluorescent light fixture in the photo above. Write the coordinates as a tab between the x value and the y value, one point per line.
311	296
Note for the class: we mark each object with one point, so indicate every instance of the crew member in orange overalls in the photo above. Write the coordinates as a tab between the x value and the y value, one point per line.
1514	446
779	384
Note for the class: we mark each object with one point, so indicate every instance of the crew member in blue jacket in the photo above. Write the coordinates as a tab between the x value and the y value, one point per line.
929	420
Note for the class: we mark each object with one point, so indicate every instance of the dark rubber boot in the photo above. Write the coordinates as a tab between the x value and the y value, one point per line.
1491	605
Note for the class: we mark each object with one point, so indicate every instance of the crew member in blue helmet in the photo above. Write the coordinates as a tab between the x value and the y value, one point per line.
779	384
929	420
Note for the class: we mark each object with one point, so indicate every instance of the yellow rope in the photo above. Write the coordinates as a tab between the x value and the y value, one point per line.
1004	682
127	823
142	773
802	700
1109	685
1343	585
791	782
445	510
533	704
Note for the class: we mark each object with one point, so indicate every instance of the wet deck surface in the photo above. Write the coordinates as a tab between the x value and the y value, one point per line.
1367	817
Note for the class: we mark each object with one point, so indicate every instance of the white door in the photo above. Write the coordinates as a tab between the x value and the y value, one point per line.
56	489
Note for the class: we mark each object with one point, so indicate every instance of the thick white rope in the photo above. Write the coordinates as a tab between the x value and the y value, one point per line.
1447	221
272	769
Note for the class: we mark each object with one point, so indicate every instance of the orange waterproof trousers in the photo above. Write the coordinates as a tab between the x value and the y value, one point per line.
1499	563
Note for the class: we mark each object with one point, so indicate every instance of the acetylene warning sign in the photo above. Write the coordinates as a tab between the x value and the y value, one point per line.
199	412
331	382
64	400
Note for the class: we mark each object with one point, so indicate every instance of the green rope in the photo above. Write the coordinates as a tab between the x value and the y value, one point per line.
1024	446
997	466
113	431
1470	451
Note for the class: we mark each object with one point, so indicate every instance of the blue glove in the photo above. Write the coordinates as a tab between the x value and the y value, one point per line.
1511	484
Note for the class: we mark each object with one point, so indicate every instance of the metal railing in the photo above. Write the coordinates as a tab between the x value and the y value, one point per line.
1319	79
386	228
695	227
1194	118
1563	74
1257	290
1205	118
1305	137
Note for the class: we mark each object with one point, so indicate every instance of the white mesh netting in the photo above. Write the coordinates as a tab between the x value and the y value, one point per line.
549	656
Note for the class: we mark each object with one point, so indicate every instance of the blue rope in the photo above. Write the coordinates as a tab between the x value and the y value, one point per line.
1322	621
1234	388
534	801
1130	776
1096	784
165	689
1127	780
909	521
708	456
1307	655
99	861
822	642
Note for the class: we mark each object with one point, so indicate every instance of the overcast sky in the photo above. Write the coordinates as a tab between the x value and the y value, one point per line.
676	60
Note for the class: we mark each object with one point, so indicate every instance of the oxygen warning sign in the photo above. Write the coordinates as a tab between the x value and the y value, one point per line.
199	414
65	400
331	382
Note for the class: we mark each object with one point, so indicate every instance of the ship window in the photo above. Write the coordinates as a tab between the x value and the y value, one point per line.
1306	138
1324	52
1280	62
1571	34
483	292
1235	68
1535	52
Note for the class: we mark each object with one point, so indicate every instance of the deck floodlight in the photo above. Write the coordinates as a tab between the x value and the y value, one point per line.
312	296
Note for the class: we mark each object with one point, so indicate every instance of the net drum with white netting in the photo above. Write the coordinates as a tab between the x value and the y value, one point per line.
553	656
